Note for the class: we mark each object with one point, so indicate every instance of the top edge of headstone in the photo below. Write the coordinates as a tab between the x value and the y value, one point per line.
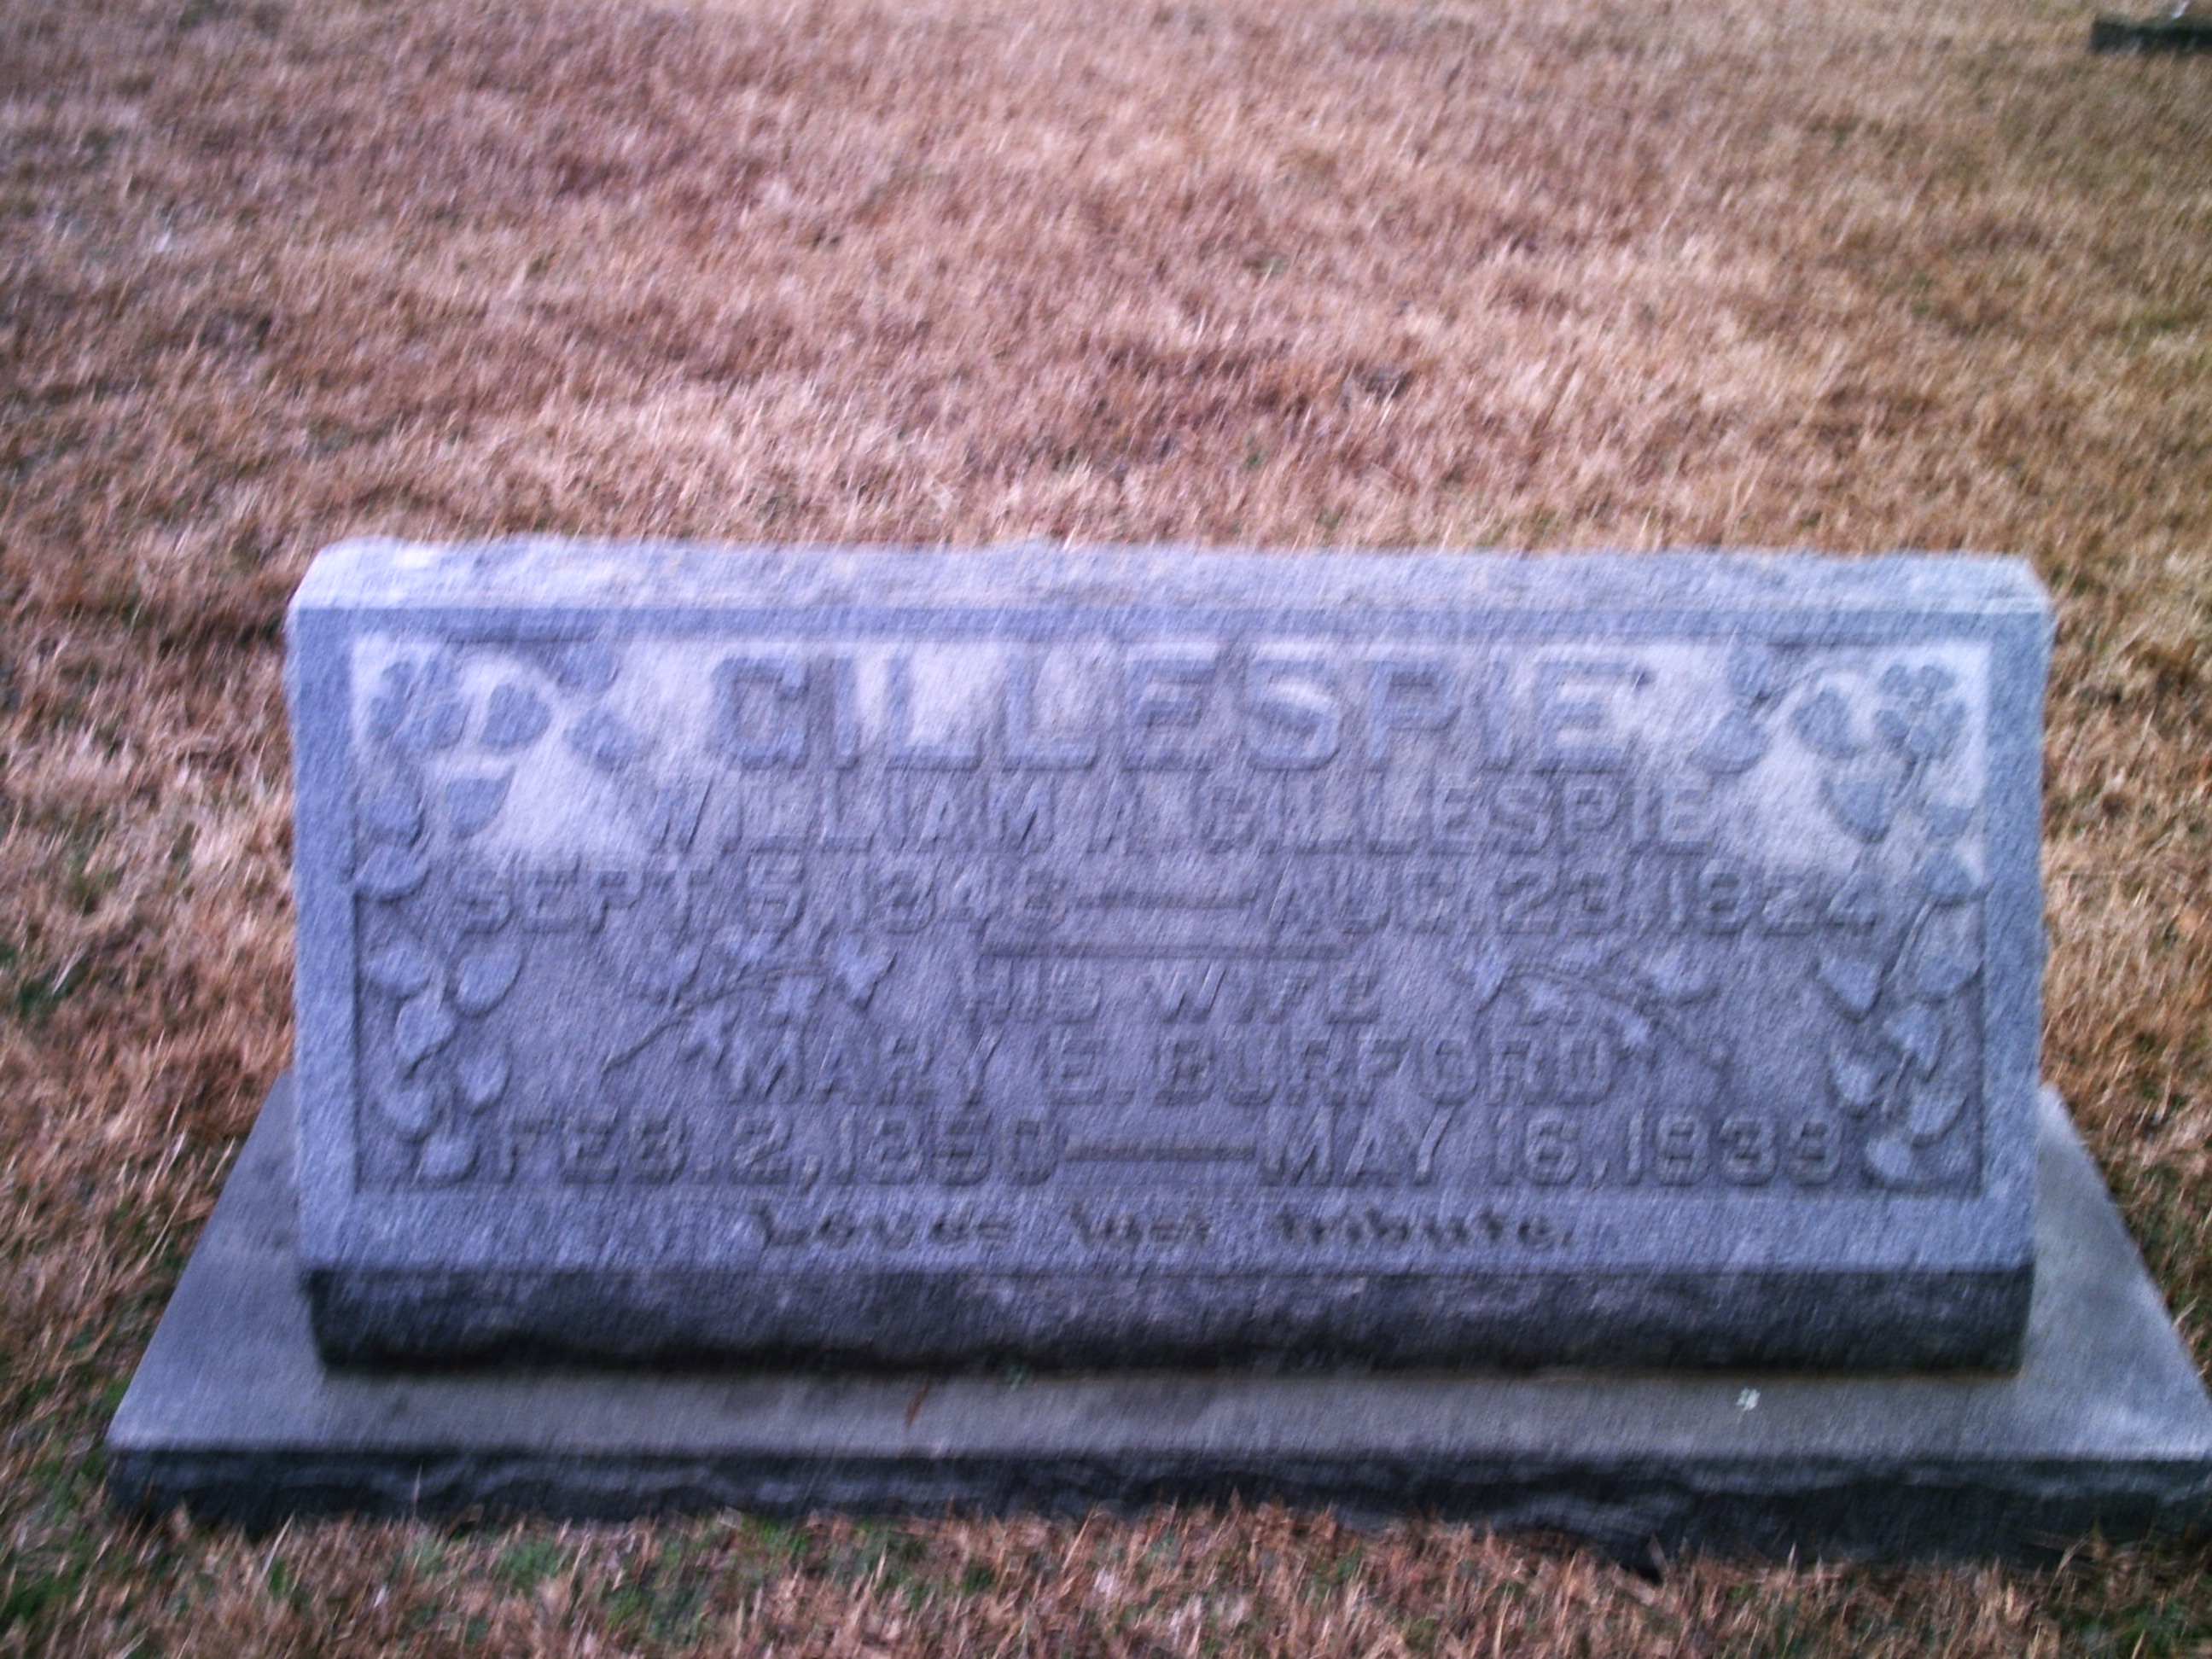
376	573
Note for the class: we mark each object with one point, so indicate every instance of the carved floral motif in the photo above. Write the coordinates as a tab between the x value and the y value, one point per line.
1882	739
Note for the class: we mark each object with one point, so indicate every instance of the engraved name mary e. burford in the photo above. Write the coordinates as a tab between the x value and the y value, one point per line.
1340	928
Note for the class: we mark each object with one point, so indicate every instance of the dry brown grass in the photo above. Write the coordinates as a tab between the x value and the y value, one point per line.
1856	275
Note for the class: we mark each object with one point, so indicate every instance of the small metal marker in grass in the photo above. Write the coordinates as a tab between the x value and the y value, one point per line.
2185	29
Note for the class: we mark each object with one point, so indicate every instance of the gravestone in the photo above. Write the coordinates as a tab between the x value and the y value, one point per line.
818	963
1081	959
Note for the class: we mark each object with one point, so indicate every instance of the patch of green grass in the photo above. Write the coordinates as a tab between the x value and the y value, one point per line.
529	1562
25	1594
283	1585
2152	321
664	1601
2167	1628
880	1552
1329	1577
34	992
778	1540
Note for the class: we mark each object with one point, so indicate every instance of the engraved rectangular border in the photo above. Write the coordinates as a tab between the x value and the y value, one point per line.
1042	595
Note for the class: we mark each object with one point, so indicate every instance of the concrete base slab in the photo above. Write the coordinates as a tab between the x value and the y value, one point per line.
2105	1426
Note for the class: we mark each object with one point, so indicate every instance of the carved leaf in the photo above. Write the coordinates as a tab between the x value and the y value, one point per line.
411	1111
1936	732
438	725
1864	805
1889	1160
1939	974
1945	879
415	712
388	708
588	667
447	1158
1931	1112
1677	975
401	967
482	1076
1948	822
1483	970
486	975
1855	982
472	803
1823	722
1918	1032
1927	724
1734	744
514	718
1638	1035
859	967
390	872
1925	734
1858	1079
1856	905
1916	686
393	813
425	1025
1752	672
604	739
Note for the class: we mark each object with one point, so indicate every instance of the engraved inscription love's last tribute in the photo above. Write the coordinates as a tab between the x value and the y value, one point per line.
958	956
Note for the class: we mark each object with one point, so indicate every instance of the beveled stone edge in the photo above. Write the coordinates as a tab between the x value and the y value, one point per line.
1842	1320
374	574
1817	1508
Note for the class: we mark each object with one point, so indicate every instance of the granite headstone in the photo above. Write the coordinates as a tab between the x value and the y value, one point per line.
1082	958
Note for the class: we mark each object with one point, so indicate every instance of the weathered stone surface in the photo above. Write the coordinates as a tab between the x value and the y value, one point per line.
2105	1427
1152	957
